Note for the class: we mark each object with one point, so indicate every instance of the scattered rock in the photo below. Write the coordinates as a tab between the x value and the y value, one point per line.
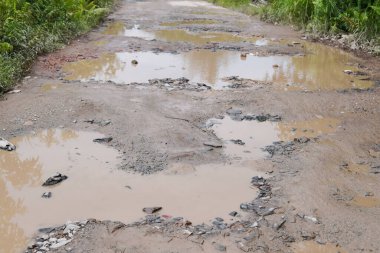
238	142
311	218
277	226
220	247
263	117
308	235
55	179
6	145
302	140
60	243
103	140
13	91
375	169
46	195
233	213
234	112
70	227
243	247
213	144
101	123
348	72
151	210
134	62
178	84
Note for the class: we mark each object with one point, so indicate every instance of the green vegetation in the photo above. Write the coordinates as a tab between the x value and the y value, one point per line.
358	17
32	27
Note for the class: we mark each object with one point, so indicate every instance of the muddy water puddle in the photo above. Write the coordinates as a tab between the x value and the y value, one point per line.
313	247
254	136
95	189
246	139
176	35
192	4
322	71
119	29
190	22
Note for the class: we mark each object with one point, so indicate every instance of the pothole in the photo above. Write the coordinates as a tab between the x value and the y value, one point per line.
248	136
119	29
245	139
95	189
202	38
193	4
310	72
177	35
190	22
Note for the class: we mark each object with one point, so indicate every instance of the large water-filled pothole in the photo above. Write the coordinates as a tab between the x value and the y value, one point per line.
95	189
247	139
179	35
321	69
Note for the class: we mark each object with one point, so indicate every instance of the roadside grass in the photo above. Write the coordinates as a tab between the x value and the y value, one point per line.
31	28
360	19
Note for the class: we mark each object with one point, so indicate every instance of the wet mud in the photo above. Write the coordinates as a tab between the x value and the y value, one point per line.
233	134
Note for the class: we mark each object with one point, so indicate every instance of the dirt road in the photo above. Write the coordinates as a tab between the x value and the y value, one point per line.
249	137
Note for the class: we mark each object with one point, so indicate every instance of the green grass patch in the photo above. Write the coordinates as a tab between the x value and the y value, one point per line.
30	28
360	18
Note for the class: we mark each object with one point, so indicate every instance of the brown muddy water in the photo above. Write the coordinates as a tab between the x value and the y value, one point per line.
190	22
119	29
321	68
96	189
257	135
199	38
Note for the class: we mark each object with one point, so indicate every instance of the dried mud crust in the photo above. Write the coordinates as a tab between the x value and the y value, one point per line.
308	191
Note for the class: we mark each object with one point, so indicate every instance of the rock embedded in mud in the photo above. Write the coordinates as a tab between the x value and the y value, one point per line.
56	179
213	144
234	112
238	142
302	140
6	145
46	195
151	210
103	140
220	247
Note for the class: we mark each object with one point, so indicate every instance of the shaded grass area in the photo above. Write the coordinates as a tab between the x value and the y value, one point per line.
29	28
360	18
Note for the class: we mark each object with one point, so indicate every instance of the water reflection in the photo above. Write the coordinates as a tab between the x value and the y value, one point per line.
320	69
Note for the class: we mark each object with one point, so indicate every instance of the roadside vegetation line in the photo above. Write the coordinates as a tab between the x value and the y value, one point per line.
31	28
359	19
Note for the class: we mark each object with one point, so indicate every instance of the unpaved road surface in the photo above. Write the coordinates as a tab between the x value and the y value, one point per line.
250	139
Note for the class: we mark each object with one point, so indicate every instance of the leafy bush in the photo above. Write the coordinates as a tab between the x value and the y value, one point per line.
32	27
